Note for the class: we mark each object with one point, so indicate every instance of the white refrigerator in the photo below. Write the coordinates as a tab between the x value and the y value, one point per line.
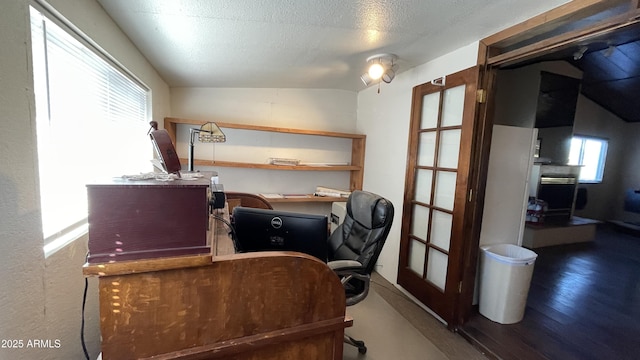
507	191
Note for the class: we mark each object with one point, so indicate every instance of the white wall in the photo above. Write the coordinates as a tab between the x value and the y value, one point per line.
315	109
41	298
22	310
517	92
507	190
629	175
605	200
516	97
384	117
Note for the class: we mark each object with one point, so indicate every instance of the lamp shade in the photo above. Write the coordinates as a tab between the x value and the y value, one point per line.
210	132
366	79
388	75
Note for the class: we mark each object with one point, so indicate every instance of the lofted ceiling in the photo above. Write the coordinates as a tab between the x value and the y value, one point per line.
611	70
612	78
303	43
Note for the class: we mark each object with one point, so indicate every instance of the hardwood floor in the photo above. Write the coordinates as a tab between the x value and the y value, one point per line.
584	303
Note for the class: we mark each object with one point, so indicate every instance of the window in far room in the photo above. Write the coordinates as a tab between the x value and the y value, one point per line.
92	119
591	153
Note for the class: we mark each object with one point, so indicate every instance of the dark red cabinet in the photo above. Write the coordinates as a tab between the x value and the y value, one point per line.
131	220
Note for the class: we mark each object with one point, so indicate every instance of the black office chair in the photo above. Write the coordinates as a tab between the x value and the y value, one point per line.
355	245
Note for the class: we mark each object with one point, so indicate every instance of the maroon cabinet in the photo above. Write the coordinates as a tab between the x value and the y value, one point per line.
131	220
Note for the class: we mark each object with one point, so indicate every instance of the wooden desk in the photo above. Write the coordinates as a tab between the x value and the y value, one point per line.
221	243
266	305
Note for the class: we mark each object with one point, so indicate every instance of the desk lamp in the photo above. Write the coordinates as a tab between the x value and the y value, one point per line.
208	133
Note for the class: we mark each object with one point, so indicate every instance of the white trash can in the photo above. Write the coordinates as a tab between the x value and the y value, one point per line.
505	277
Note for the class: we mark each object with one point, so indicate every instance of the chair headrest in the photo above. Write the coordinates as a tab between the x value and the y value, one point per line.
368	209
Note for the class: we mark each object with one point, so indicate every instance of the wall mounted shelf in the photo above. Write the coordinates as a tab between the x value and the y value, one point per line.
356	166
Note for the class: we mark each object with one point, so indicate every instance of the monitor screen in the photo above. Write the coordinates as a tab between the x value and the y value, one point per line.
271	230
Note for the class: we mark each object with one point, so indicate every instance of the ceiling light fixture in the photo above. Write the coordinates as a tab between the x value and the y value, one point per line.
580	52
380	67
609	51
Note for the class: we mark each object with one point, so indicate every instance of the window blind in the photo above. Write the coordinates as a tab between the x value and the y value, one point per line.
92	121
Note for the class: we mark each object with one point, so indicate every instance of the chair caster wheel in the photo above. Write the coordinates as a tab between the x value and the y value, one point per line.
362	349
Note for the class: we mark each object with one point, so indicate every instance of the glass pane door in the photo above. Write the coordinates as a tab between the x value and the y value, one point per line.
440	138
436	189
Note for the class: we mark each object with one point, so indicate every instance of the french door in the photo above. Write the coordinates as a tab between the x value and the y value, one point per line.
438	191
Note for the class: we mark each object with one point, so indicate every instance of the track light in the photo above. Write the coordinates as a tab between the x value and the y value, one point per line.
580	52
609	51
390	73
366	79
380	67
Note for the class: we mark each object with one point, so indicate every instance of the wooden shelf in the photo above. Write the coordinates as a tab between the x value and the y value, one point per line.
171	122
271	166
356	167
308	198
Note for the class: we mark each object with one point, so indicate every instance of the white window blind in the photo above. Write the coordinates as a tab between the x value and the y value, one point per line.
92	121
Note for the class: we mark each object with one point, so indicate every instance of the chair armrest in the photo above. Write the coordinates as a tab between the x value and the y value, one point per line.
348	270
351	269
345	265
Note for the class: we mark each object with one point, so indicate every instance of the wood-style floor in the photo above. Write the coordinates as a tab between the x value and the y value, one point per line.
584	303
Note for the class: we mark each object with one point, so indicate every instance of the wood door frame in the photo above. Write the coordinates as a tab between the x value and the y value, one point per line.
500	49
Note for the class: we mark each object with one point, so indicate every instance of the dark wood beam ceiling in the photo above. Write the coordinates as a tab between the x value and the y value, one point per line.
610	78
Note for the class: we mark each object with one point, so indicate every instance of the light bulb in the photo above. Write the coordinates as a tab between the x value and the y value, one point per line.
375	71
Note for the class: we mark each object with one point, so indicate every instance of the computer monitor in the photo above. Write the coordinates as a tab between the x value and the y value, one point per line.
271	230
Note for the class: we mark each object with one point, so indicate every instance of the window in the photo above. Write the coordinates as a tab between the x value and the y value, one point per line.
591	153
92	120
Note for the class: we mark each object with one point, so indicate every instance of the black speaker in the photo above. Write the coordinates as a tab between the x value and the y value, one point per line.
218	198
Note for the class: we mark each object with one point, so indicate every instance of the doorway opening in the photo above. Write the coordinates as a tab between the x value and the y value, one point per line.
591	47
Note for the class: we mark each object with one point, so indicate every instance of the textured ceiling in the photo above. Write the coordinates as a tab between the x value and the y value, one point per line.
303	43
